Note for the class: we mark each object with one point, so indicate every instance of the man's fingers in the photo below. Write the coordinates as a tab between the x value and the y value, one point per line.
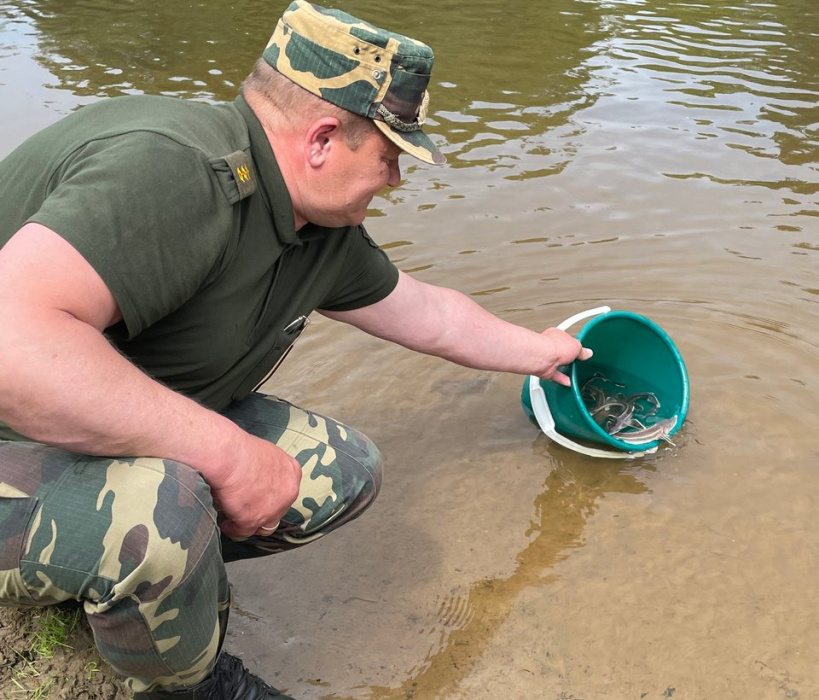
560	378
231	529
585	354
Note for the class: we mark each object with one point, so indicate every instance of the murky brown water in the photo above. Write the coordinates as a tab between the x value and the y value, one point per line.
659	157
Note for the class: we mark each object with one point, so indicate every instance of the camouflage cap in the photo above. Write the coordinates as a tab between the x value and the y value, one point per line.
359	67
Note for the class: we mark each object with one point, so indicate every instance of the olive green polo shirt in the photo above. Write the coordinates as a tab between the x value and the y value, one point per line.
182	210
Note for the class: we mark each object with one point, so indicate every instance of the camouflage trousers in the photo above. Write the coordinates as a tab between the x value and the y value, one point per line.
136	539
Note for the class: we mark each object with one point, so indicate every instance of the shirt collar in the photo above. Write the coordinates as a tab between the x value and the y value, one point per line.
272	186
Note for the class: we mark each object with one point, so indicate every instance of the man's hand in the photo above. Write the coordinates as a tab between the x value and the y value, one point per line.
256	493
563	350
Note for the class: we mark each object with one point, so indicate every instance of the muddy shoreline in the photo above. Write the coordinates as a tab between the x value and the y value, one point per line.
74	671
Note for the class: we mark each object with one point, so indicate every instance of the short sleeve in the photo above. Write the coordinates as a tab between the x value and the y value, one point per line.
365	277
147	214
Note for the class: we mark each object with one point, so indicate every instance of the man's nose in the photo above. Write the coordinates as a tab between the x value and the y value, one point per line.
394	178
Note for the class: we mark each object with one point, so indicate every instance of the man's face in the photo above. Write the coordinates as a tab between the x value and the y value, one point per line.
351	178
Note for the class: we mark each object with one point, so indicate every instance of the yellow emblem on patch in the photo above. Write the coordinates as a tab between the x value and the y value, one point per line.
244	175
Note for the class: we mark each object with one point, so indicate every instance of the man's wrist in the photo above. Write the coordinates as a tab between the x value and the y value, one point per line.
216	450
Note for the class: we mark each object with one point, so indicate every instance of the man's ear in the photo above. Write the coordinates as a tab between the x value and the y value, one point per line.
319	140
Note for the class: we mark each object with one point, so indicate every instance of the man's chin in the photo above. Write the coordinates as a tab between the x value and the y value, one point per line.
356	218
341	219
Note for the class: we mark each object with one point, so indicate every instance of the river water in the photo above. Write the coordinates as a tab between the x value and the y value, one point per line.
654	156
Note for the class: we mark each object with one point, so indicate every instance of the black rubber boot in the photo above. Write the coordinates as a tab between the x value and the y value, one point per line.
230	680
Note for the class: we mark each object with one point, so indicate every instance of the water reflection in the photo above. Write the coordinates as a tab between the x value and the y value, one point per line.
469	620
744	74
98	48
203	50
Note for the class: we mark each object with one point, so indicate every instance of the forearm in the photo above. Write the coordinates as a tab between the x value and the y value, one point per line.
77	392
443	322
462	331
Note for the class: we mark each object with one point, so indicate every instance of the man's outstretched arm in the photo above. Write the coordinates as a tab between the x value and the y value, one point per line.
442	322
63	384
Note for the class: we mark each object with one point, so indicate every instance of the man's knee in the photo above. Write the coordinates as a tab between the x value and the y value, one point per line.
342	472
341	467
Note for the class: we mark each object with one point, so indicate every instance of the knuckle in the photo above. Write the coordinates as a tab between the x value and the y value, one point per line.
293	492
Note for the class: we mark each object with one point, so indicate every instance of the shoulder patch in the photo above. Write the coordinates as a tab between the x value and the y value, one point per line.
243	172
236	175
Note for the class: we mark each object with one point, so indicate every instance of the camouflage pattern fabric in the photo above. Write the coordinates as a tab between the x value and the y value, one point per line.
136	539
359	67
341	472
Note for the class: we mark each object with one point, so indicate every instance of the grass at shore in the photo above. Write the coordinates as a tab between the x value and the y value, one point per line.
49	653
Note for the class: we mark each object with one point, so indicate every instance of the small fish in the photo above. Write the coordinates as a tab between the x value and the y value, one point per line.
623	420
627	418
651	398
607	406
642	434
592	394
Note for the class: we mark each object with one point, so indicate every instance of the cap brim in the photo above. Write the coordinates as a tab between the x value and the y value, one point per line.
416	143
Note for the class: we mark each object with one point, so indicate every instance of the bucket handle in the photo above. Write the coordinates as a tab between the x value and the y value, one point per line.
582	315
543	414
